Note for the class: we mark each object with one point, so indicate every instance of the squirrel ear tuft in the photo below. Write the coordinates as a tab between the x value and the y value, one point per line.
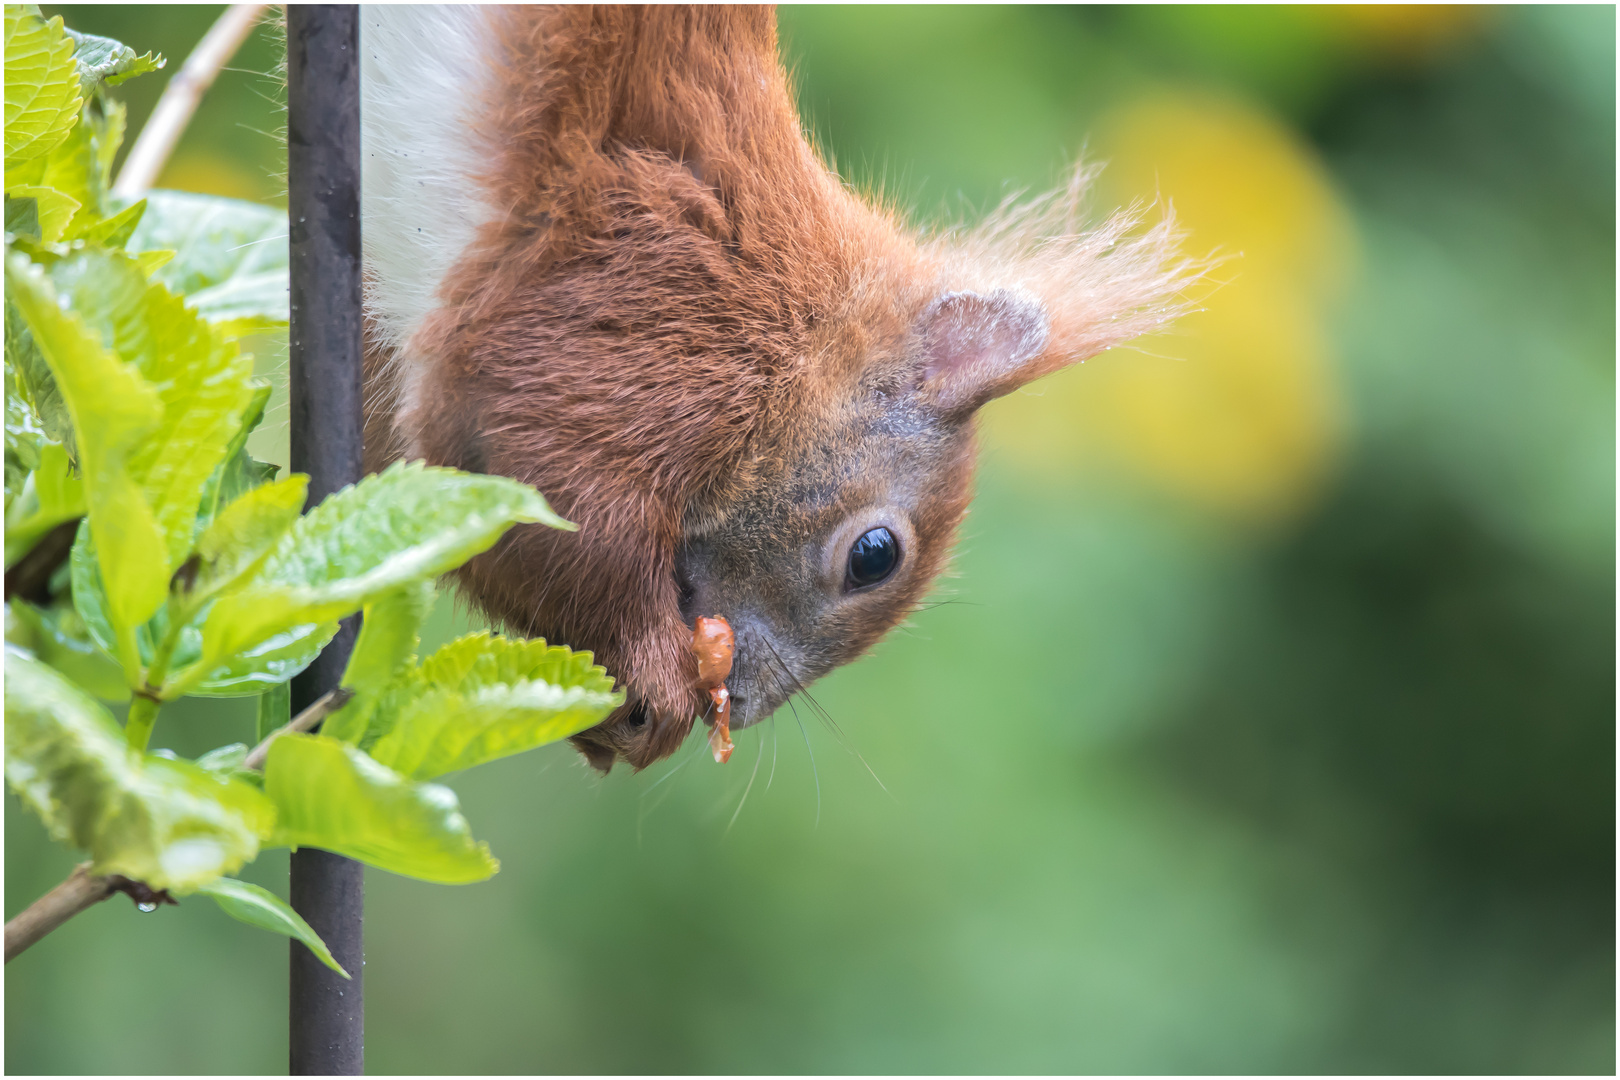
976	346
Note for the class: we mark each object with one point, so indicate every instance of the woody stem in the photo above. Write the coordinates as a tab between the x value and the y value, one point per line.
81	890
181	97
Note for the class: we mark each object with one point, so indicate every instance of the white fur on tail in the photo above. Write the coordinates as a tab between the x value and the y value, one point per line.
423	71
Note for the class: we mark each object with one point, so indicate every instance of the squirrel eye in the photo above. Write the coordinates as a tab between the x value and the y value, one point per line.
872	558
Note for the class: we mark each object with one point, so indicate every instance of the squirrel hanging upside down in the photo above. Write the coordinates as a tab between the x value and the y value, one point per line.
602	258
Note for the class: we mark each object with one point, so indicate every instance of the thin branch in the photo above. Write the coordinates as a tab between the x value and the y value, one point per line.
81	890
323	706
181	97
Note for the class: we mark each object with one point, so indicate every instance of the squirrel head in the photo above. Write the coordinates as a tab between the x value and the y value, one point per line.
753	389
853	502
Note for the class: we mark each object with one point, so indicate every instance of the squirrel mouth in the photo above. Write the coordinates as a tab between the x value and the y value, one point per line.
637	717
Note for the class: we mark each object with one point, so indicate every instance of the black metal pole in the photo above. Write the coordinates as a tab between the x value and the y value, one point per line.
326	1017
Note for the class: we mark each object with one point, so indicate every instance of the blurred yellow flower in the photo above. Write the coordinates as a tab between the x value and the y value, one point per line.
1237	408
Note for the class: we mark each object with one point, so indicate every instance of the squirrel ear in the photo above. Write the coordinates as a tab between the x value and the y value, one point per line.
976	346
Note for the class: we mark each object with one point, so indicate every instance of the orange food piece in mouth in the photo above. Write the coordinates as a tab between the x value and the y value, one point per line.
714	645
720	734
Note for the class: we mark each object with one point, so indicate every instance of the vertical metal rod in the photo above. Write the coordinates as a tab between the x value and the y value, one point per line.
326	1017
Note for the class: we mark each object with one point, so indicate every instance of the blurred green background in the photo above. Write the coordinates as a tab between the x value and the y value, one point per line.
1269	724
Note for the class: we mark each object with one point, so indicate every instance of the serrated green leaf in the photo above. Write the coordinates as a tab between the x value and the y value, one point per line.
202	379
103	60
166	823
231	261
51	212
264	909
406	523
271	662
113	231
238	541
31	384
42	88
240	473
52	494
71	168
24	436
113	410
482	697
80	167
329	795
267	663
389	634
57	635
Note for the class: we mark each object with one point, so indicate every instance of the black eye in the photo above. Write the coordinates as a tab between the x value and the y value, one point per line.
873	558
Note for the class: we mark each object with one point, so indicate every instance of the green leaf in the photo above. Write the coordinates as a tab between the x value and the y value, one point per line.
71	168
57	635
166	823
481	697
389	634
34	385
22	215
330	795
109	136
238	541
203	380
240	473
110	232
103	60
51	495
406	523
113	409
149	261
274	711
231	256
227	763
42	87
264	909
80	167
24	433
267	663
51	212
224	760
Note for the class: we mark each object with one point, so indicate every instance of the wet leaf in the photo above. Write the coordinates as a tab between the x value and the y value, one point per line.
389	634
262	908
482	697
113	410
332	796
42	88
230	257
102	60
166	823
407	523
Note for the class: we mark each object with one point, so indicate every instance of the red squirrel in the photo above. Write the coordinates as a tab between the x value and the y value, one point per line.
602	258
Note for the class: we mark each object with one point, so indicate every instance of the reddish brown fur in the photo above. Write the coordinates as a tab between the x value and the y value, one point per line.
677	302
